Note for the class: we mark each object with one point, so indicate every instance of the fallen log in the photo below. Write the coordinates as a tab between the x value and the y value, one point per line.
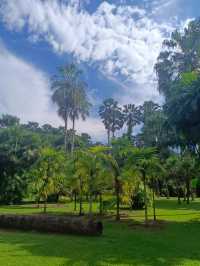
54	224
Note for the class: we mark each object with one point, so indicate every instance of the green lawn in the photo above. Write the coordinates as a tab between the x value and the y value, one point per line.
178	243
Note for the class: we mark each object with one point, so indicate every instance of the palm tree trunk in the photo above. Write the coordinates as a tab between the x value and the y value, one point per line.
154	205
129	131
75	200
90	204
117	190
73	135
108	132
145	199
65	138
81	198
179	195
100	204
188	191
113	134
45	206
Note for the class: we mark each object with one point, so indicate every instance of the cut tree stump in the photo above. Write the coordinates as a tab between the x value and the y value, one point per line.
53	224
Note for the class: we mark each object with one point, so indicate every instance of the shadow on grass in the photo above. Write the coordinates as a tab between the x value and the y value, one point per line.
120	245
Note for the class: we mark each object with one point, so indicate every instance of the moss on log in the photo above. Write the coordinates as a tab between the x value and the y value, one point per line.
54	224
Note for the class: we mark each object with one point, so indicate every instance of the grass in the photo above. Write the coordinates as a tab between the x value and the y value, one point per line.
177	244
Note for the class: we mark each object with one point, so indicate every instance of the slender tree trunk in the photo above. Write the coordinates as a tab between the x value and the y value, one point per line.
129	131
65	140
38	203
100	204
185	195
168	197
188	191
108	132
90	204
145	199
192	195
90	196
81	198
75	200
154	205
117	191
73	135
113	134
45	205
179	195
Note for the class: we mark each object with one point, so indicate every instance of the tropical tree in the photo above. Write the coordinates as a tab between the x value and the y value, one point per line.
174	169
47	173
88	169
144	161
79	107
8	121
116	161
70	96
112	117
182	169
132	117
180	54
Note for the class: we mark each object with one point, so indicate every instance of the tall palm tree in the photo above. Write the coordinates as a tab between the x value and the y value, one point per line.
70	97
112	117
80	106
62	85
132	117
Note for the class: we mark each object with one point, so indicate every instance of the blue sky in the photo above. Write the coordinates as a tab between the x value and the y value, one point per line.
116	44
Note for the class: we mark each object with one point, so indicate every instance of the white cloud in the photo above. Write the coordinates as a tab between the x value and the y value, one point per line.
121	39
24	91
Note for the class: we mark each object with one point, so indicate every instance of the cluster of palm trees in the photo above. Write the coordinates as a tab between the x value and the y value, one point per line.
69	94
96	171
115	117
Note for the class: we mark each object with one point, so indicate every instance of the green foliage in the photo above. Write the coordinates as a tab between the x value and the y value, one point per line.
69	94
112	117
48	173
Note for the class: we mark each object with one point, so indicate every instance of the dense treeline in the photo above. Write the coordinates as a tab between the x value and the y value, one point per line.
161	159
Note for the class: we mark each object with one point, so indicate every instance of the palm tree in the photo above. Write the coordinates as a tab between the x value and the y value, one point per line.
79	107
48	172
115	169
62	86
144	161
88	167
112	117
70	97
132	115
